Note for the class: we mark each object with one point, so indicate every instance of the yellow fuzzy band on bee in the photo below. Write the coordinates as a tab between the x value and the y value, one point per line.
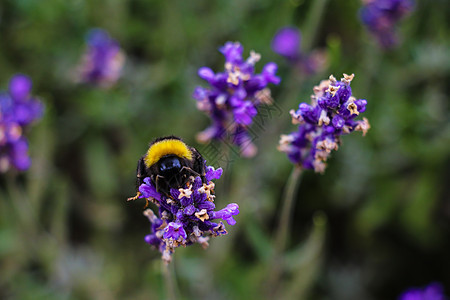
166	147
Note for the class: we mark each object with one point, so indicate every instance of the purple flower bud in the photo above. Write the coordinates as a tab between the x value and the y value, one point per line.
151	239
189	210
361	104
308	113
232	52
206	74
286	42
206	205
200	94
338	122
344	92
185	201
20	87
20	158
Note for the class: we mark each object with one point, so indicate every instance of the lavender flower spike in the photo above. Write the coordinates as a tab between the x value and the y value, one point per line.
18	109
234	96
381	17
330	115
433	291
103	60
187	216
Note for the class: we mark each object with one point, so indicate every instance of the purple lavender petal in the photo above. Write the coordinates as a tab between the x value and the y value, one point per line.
148	190
232	52
212	173
245	113
269	72
174	231
152	239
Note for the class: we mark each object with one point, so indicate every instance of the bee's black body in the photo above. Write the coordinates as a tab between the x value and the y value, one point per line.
171	170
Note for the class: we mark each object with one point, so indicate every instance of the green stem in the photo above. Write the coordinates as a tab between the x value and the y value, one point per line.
287	210
312	23
169	280
282	232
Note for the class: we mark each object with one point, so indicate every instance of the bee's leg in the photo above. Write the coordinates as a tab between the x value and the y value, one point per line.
135	197
140	175
190	171
157	182
180	181
202	176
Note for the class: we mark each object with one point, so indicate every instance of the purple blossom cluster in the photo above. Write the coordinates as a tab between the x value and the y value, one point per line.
103	60
433	291
330	115
234	96
286	43
381	17
17	110
186	217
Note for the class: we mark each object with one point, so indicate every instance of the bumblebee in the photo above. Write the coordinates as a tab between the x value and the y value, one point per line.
169	163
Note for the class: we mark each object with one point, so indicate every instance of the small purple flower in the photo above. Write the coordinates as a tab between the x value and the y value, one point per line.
233	97
286	43
381	17
331	114
187	216
433	291
103	60
175	231
227	213
17	110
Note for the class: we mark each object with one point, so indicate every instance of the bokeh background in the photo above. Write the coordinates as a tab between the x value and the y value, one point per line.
376	223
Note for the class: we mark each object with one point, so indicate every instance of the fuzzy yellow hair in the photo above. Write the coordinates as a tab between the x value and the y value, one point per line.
166	147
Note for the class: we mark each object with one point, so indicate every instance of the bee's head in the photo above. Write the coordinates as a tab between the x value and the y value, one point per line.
169	166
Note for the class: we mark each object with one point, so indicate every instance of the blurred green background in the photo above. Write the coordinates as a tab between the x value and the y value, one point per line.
376	223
